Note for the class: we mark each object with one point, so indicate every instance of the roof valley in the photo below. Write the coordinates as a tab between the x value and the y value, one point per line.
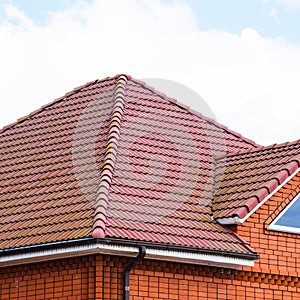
101	203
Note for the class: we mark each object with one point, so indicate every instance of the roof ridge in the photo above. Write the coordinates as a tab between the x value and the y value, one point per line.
99	223
253	150
196	113
43	107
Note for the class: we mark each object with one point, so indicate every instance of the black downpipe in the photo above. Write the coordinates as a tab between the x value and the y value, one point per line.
131	265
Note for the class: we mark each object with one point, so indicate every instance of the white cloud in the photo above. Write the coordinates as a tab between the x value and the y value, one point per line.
291	3
16	16
274	15
249	81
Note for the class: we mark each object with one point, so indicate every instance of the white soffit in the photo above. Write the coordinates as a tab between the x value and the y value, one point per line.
121	250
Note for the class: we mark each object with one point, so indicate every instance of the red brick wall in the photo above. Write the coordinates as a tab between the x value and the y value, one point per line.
162	280
61	279
279	252
101	277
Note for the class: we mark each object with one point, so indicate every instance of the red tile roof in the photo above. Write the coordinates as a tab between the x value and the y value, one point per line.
245	179
113	159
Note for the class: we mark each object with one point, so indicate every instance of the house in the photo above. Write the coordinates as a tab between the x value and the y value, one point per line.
116	191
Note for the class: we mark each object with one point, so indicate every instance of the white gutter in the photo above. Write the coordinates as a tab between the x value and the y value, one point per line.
113	249
237	220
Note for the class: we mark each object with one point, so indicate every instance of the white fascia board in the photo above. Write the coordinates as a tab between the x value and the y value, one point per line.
198	258
230	221
237	220
121	250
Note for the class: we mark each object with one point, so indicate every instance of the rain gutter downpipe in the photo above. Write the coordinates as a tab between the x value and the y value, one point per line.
129	267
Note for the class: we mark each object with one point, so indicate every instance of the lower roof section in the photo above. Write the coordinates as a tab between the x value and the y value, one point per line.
235	220
246	179
163	252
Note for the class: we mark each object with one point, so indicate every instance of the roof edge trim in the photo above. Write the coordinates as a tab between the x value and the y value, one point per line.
43	107
256	149
236	220
197	113
181	256
101	201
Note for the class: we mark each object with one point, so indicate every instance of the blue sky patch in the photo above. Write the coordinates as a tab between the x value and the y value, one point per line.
270	18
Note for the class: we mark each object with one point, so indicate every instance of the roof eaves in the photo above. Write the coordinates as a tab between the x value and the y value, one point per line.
158	251
248	254
99	223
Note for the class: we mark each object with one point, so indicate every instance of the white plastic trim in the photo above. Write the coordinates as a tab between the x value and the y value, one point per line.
198	258
283	228
230	221
236	220
151	253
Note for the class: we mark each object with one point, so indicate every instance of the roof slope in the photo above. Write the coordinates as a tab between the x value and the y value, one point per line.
113	158
40	200
246	178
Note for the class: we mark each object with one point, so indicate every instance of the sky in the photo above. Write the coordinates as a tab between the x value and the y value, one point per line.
241	56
